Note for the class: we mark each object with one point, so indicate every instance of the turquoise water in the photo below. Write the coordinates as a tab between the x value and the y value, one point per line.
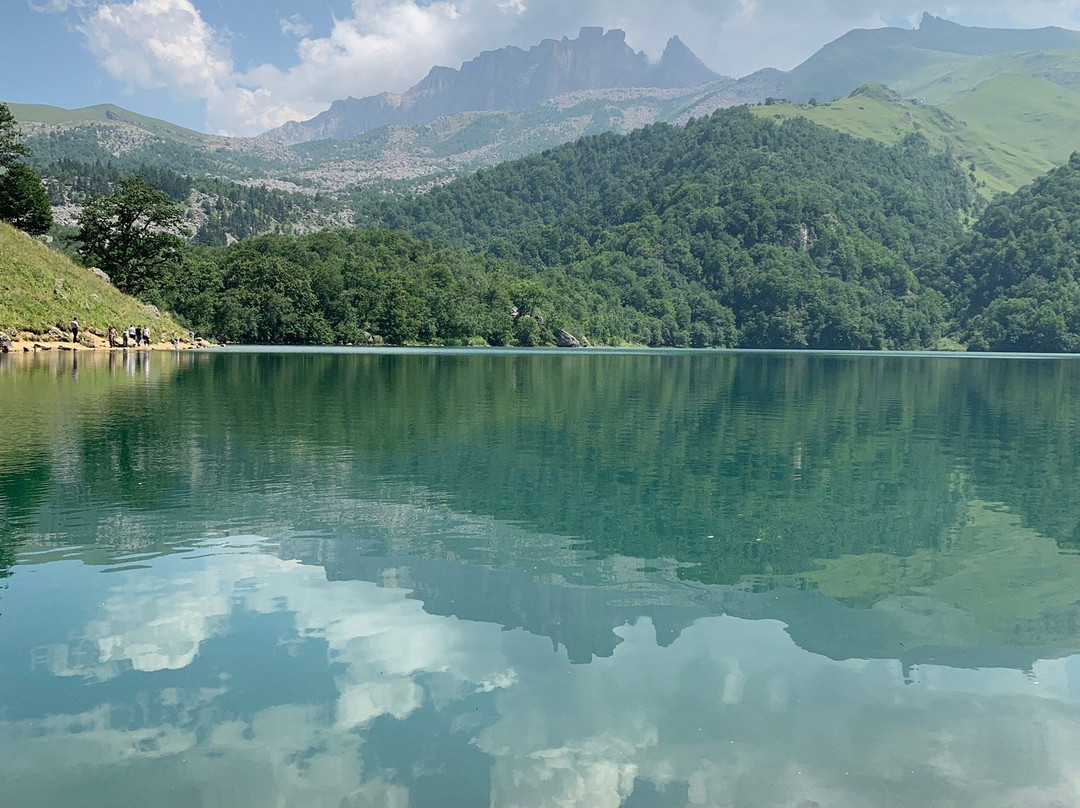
539	579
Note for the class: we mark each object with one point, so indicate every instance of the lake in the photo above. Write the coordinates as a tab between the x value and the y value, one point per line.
604	578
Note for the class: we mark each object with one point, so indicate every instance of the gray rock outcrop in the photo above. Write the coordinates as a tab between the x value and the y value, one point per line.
564	339
508	79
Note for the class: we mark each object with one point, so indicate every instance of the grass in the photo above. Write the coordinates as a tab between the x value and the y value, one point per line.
40	287
1012	127
102	113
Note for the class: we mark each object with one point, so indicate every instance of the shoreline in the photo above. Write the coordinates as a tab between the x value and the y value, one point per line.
24	346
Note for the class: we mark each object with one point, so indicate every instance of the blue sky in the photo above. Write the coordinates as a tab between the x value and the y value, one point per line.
244	66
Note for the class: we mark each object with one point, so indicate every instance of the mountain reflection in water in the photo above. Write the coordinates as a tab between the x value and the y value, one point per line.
540	579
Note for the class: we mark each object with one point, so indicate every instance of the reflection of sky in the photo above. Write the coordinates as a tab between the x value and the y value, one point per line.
241	679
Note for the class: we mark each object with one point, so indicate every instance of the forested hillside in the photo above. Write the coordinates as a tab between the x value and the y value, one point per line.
795	234
217	211
733	231
1018	275
365	286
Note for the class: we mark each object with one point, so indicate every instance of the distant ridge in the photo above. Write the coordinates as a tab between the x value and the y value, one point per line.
892	55
508	79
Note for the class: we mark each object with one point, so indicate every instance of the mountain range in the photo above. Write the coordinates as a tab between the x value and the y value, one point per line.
509	80
1005	101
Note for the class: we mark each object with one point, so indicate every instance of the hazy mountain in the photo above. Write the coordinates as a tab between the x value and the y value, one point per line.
508	80
1009	105
900	57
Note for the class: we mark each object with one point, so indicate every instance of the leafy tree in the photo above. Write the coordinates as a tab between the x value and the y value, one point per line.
23	200
135	235
1016	277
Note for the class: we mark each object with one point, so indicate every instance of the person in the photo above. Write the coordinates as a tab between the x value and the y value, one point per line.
138	336
74	329
146	336
112	336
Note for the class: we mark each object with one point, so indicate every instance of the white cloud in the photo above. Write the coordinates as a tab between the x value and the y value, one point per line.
390	44
60	6
294	25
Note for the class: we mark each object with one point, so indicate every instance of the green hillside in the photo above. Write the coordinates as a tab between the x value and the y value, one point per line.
802	236
1012	127
943	83
940	57
39	288
1017	275
104	113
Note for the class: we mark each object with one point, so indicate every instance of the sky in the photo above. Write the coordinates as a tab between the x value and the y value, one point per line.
240	67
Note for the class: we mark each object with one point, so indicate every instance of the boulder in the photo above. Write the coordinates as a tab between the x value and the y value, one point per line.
153	311
5	342
55	333
101	274
564	339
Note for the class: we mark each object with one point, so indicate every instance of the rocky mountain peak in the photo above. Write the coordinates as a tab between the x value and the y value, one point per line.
508	79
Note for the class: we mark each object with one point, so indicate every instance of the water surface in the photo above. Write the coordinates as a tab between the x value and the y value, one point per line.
539	579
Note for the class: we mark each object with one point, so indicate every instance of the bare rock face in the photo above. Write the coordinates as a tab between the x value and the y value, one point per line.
508	79
564	339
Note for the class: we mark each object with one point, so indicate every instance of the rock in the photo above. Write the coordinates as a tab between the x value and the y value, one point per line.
153	311
63	346
564	339
101	274
5	342
55	333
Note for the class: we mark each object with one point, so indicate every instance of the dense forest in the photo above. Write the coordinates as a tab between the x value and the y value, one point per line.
731	231
1018	274
799	235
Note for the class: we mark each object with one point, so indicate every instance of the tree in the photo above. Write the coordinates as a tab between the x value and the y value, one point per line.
11	146
135	235
23	200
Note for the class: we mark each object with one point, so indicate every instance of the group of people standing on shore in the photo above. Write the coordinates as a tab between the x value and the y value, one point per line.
132	336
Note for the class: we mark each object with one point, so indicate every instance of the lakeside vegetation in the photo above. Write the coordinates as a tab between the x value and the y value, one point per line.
736	230
40	288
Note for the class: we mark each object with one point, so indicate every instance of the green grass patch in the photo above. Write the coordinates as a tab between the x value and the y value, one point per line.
40	287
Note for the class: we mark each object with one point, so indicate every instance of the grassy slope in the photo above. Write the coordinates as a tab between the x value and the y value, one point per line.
1013	127
102	113
39	288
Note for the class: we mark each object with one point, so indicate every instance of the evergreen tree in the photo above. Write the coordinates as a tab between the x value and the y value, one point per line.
11	145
